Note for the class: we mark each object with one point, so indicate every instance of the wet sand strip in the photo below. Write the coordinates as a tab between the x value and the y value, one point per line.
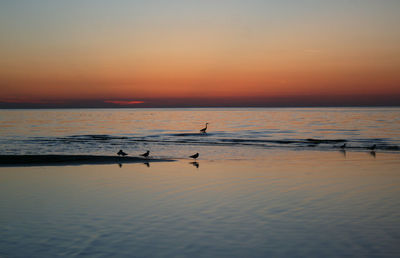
62	160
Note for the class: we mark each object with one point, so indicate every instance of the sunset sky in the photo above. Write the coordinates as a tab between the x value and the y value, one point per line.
199	53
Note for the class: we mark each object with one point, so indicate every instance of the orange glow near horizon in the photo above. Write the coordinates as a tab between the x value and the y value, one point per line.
214	54
127	102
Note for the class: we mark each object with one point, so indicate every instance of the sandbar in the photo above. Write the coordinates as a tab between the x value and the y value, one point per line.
61	160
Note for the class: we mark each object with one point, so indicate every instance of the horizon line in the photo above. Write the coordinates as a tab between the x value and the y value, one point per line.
201	107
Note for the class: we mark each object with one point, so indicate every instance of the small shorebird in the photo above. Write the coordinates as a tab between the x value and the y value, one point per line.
204	129
195	156
373	147
343	146
121	153
146	154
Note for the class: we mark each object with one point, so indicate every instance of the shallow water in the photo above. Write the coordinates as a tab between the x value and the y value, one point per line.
268	183
287	204
174	133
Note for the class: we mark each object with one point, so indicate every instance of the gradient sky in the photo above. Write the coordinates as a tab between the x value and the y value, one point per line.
203	53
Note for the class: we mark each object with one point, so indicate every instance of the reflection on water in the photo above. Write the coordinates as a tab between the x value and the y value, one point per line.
175	132
287	204
195	163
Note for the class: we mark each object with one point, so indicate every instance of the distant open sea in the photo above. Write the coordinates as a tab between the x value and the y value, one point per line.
174	133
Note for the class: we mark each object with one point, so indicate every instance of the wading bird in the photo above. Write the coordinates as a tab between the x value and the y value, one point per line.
195	156
146	154
343	146
373	147
204	129
121	153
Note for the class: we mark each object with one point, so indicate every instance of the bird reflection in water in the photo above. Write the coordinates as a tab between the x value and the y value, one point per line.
343	153
120	165
195	163
372	153
147	164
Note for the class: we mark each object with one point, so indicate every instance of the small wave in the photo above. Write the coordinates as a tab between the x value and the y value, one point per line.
389	147
95	137
104	143
325	140
191	134
177	138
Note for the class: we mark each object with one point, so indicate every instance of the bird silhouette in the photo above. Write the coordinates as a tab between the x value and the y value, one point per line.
121	153
204	129
373	147
195	156
146	154
343	146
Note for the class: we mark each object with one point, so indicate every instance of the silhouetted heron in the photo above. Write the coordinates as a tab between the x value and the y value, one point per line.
146	154
343	146
204	129
121	153
373	147
195	156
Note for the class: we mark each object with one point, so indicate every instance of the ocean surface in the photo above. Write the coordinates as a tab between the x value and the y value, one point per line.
174	133
268	183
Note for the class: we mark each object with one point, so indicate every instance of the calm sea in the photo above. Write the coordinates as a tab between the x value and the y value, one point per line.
268	183
174	133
